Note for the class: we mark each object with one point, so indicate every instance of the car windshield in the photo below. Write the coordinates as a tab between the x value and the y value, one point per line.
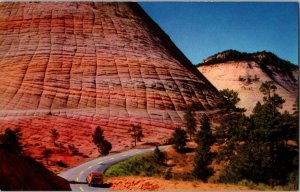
96	180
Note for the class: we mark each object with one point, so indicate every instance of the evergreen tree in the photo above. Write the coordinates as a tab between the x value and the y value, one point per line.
46	153
295	120
54	135
11	140
105	147
203	157
249	163
179	138
102	144
230	132
228	100
98	136
296	107
293	177
158	155
204	135
190	121
267	88
136	133
261	153
266	120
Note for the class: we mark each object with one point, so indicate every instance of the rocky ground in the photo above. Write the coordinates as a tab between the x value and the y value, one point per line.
182	166
151	184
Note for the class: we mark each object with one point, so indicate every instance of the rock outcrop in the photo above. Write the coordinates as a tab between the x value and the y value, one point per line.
72	66
21	173
244	73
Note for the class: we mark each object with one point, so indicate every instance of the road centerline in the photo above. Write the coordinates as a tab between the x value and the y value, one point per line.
100	164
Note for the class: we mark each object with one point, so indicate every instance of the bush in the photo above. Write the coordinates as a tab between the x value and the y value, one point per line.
73	150
143	165
252	185
168	174
60	163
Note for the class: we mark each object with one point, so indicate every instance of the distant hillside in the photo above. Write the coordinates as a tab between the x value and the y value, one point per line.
20	173
244	73
262	58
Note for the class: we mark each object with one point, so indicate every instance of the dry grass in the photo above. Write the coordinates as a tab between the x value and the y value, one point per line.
154	183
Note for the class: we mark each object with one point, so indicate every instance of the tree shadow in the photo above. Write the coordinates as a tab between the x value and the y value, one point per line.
77	182
104	185
187	150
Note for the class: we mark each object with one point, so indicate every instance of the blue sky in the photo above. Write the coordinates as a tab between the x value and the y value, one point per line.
201	29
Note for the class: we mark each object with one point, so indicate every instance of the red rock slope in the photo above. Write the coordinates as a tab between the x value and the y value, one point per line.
72	66
21	173
244	73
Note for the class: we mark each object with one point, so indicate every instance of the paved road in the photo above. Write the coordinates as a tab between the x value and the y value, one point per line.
77	175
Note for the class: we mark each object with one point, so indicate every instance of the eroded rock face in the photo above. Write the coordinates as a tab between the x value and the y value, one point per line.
72	66
244	73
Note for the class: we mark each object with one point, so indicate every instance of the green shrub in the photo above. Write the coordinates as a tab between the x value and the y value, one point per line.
143	165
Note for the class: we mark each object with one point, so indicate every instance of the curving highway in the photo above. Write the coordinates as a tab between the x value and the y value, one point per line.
77	175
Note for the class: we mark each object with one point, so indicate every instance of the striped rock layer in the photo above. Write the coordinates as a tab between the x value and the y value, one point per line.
72	66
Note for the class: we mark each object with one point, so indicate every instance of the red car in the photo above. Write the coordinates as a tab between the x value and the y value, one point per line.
95	178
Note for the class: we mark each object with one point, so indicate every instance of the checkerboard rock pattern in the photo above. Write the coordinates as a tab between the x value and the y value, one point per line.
73	66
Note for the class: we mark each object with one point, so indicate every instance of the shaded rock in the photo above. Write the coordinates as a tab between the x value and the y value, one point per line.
19	173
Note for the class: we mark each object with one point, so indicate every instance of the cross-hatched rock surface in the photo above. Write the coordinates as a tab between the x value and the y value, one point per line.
246	74
72	66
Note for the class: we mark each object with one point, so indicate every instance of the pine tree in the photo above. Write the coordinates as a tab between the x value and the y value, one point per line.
230	132
179	138
11	140
249	163
190	122
158	155
46	153
268	125
136	133
261	153
105	147
228	100
295	121
203	157
54	135
102	144
98	136
204	135
296	107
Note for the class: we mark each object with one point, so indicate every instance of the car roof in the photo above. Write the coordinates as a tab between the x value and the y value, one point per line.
96	173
